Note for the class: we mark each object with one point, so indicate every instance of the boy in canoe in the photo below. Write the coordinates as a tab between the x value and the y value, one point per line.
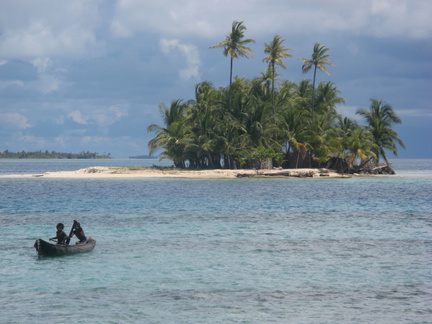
79	233
61	236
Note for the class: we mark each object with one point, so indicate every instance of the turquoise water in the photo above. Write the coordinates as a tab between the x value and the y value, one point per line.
219	251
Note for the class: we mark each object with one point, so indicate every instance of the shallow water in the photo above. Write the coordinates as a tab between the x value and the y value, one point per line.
223	250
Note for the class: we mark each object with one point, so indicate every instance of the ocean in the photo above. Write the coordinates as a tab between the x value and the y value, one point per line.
177	250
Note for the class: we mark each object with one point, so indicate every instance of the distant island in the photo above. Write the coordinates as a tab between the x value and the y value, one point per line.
141	157
52	155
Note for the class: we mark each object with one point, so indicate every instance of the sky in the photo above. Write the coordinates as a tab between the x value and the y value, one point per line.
89	75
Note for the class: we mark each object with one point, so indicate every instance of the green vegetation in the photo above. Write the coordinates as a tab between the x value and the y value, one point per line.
277	52
141	157
380	117
318	61
52	155
234	47
291	124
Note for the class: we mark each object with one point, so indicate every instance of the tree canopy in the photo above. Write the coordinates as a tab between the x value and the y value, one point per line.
251	120
234	46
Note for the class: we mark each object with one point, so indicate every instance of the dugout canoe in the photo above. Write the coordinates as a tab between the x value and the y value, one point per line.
45	248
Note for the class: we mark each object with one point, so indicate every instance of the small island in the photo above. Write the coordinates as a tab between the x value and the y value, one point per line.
52	155
267	122
143	157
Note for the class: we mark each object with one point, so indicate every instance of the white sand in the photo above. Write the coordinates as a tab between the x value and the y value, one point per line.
123	172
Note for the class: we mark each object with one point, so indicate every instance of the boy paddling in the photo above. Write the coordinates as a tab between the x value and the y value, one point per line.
61	236
79	233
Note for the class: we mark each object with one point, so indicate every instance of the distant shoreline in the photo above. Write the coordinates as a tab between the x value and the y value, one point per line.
42	155
138	172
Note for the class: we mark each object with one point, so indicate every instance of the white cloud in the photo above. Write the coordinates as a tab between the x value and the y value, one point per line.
48	80
40	31
349	111
100	116
72	29
47	83
49	28
14	121
32	141
59	141
410	18
93	139
42	64
189	52
210	18
77	117
39	39
11	83
169	18
423	113
118	112
109	116
119	29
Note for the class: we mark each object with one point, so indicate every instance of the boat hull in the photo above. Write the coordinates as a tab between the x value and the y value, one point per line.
45	249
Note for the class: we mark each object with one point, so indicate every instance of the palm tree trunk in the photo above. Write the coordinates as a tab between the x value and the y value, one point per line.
210	161
313	91
273	83
364	163
230	83
384	155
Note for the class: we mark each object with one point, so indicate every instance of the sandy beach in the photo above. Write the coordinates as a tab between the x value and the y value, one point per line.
135	172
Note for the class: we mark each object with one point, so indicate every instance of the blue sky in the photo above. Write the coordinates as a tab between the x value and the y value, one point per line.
88	75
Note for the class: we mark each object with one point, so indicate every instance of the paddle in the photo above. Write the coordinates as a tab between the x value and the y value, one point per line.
71	231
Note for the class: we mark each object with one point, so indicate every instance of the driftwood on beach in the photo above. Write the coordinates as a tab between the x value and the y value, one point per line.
308	173
383	169
278	174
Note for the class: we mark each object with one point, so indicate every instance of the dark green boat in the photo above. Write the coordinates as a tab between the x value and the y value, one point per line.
46	249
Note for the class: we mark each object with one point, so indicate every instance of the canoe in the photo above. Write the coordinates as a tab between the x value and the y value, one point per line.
45	248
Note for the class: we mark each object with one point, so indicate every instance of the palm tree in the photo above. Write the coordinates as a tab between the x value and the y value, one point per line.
327	97
265	79
318	61
323	138
277	52
303	93
358	144
174	136
234	46
380	117
346	125
295	130
203	119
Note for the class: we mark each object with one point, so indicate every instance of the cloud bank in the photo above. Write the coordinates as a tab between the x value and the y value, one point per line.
89	75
